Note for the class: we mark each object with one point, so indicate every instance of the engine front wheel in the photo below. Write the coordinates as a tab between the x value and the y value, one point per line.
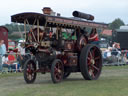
90	62
29	71
57	71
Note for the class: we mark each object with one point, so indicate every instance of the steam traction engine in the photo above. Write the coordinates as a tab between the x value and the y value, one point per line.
60	46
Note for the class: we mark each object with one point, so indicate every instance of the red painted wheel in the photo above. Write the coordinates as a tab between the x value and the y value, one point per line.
57	71
29	71
90	62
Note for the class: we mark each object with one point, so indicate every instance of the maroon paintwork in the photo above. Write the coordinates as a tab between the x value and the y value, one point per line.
4	35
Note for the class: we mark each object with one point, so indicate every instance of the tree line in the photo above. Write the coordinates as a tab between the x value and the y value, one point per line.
14	27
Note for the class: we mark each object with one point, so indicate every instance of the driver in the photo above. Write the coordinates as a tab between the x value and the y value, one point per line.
35	33
41	34
94	38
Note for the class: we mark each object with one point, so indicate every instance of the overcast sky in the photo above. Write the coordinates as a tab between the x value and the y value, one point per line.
103	10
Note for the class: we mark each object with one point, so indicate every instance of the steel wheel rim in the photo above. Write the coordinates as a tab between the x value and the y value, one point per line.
93	62
58	71
30	71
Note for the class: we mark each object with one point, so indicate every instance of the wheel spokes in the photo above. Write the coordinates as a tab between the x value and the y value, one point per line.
98	57
93	53
92	62
90	53
91	72
30	71
58	71
89	60
58	76
95	67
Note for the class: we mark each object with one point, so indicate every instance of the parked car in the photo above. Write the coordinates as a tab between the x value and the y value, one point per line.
104	45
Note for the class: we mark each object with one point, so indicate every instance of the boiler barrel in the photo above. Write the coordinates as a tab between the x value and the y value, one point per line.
83	15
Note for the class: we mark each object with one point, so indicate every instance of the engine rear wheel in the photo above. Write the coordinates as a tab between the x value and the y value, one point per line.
29	71
57	71
90	62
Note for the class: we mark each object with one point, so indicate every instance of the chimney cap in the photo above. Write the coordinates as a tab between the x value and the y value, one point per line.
47	10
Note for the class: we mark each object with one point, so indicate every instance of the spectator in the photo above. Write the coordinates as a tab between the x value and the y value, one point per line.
12	61
0	57
6	63
21	52
113	45
107	56
107	53
2	52
116	50
3	47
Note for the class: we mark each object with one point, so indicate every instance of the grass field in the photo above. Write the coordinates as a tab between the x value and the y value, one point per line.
112	82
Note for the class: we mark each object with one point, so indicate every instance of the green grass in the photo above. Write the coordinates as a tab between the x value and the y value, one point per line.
112	82
3	75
